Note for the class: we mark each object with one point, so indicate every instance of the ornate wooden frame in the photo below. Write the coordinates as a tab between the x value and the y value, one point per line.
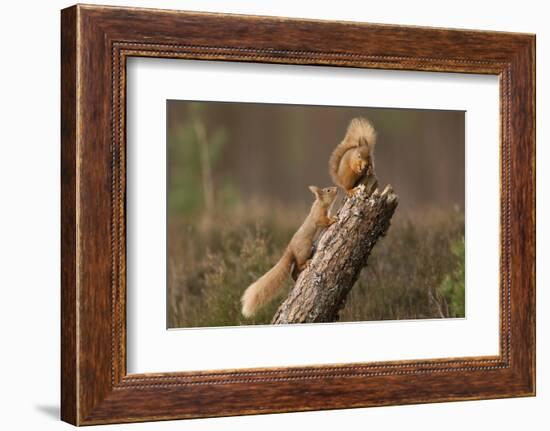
95	43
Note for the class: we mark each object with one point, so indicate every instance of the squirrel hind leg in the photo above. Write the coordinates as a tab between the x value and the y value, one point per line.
297	269
303	265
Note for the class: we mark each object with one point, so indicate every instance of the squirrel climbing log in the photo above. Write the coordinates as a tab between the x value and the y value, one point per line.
296	254
342	251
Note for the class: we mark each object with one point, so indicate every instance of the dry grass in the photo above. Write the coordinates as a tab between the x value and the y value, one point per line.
415	272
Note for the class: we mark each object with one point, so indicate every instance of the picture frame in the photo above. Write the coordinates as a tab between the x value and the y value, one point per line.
96	42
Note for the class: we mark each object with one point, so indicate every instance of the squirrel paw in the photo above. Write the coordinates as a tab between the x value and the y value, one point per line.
328	221
304	265
359	166
351	192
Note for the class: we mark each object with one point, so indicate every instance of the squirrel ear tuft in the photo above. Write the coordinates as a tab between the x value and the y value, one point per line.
315	190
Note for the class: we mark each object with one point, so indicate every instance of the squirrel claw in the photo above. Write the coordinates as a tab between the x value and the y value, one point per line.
352	192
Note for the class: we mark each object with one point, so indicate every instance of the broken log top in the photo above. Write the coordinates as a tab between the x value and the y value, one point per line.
343	249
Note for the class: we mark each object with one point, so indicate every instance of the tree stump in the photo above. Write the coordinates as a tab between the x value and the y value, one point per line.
342	251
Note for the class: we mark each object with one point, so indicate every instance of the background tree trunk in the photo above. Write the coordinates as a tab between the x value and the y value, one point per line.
342	251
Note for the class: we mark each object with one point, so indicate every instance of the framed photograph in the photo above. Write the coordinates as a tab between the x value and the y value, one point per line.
265	215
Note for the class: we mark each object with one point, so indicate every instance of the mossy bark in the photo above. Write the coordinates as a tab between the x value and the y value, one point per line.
342	251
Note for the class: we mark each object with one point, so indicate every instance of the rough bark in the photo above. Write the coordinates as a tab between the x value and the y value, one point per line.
342	251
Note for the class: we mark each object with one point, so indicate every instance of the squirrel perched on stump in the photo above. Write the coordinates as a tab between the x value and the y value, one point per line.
297	253
352	160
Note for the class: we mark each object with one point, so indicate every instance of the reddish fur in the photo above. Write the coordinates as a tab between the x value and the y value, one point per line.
298	253
353	158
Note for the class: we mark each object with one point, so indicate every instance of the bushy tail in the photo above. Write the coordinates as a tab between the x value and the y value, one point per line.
360	132
265	288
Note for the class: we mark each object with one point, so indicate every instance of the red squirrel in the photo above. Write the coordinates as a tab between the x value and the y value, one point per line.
353	159
297	253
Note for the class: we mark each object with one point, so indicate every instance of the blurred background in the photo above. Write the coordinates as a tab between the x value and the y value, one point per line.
237	191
